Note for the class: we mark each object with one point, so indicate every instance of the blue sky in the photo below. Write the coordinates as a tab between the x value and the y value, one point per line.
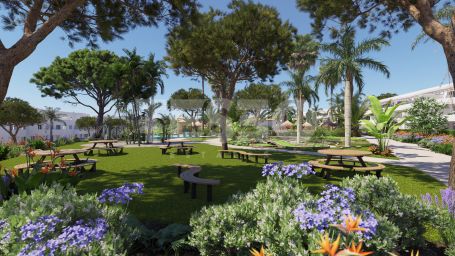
410	69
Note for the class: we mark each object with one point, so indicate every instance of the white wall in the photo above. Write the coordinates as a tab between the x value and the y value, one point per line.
67	130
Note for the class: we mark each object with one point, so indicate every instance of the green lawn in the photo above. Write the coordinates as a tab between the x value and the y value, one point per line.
164	202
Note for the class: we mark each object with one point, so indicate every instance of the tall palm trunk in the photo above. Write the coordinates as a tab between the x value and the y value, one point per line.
51	131
347	111
299	117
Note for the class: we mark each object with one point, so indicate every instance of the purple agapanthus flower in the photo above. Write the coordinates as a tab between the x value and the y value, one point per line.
121	195
291	170
78	236
35	231
331	208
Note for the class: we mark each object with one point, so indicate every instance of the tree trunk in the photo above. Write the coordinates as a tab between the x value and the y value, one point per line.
347	112
32	36
449	51
223	117
51	130
6	72
299	117
99	121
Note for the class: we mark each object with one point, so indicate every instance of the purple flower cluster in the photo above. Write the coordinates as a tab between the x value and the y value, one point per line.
72	238
437	140
121	195
78	236
331	208
447	200
35	231
291	170
4	226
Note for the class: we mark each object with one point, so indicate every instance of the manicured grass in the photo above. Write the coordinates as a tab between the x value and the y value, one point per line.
164	201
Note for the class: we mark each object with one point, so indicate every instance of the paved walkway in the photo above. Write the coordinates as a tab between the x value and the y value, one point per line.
411	155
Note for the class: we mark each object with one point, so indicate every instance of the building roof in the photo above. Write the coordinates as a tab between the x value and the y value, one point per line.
445	87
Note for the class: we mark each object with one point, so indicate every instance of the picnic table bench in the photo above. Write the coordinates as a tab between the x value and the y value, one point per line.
245	155
180	149
327	167
77	164
232	152
190	177
109	147
109	150
256	156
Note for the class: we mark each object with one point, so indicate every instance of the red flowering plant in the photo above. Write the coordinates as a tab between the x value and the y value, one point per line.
36	171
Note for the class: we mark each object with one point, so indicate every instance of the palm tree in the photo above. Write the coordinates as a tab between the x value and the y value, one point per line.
52	115
152	106
303	91
213	116
345	64
165	123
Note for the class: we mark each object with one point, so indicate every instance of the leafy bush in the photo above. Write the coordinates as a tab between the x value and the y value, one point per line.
281	215
442	148
427	116
15	150
4	152
63	141
319	134
37	144
382	196
264	215
56	220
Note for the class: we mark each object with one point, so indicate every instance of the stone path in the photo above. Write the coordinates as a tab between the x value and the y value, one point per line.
411	155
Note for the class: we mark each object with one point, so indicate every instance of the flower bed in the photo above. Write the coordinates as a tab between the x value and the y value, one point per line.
282	216
56	220
438	143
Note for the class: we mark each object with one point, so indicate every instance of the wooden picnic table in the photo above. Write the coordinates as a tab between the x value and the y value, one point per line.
107	143
182	141
331	153
61	153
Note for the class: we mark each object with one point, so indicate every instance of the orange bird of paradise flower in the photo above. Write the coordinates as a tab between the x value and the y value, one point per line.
354	250
31	153
350	225
44	169
14	172
254	252
327	247
72	173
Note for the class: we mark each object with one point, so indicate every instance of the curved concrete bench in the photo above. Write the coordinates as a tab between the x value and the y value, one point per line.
191	177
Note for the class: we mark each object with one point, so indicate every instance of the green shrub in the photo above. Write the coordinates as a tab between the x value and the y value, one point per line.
382	196
267	216
37	144
4	152
319	134
15	151
338	132
263	215
442	148
60	209
63	141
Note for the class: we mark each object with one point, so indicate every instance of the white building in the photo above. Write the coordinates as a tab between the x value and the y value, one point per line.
65	130
443	94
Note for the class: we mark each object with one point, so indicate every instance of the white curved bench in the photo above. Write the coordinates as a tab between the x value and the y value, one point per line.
191	177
